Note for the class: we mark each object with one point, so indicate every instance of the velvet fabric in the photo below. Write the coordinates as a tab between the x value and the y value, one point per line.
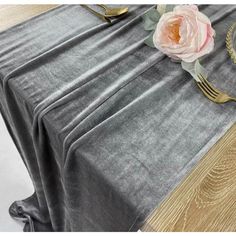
105	125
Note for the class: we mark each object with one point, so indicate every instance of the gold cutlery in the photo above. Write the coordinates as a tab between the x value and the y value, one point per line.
113	12
212	93
103	17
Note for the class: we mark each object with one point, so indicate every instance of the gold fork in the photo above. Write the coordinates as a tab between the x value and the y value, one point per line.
212	93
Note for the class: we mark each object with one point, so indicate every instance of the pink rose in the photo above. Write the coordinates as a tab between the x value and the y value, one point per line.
184	34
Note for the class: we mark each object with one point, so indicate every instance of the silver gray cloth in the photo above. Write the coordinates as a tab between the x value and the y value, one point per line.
105	125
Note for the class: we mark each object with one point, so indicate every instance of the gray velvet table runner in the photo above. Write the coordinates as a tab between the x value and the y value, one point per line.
105	125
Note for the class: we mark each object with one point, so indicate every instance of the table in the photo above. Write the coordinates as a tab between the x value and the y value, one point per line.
205	200
208	9
11	15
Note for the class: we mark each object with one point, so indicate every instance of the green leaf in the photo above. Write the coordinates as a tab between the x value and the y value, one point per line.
163	8
150	19
149	41
169	7
194	68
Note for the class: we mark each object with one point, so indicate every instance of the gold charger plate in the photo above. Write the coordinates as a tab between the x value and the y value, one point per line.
231	42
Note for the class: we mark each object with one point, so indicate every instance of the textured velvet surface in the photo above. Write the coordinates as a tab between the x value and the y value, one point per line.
105	125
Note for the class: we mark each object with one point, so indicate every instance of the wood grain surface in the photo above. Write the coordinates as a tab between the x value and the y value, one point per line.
206	199
11	15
